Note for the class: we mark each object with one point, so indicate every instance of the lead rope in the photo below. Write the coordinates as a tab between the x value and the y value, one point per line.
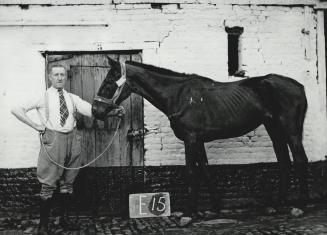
77	168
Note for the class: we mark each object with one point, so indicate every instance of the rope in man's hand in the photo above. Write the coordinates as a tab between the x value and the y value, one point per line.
120	112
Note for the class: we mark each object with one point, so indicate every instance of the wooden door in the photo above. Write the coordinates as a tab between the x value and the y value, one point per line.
85	75
106	188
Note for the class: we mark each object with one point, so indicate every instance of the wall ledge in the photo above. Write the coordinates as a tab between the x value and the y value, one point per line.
109	2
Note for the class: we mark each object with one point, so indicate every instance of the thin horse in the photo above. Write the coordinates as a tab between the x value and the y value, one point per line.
201	110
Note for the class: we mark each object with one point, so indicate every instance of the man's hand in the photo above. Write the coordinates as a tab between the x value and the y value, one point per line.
20	113
40	128
120	111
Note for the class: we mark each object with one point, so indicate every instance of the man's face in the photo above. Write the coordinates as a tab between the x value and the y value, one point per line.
58	77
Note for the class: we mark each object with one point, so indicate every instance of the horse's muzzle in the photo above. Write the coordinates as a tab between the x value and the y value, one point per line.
100	109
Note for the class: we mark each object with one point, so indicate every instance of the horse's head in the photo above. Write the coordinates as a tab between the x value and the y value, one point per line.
112	91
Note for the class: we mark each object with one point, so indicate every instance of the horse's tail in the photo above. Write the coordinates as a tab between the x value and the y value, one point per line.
301	111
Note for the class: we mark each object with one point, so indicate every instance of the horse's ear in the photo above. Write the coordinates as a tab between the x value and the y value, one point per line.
113	64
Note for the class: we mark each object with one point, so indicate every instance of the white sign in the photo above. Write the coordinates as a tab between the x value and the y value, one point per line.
149	205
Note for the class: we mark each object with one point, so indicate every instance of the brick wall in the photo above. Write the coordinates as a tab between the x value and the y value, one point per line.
105	190
181	36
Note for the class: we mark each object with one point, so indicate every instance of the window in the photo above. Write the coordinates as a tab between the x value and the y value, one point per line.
233	51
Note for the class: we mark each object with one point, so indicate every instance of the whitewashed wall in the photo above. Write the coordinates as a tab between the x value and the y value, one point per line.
188	38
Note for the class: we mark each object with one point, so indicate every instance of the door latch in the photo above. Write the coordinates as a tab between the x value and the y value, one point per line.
139	133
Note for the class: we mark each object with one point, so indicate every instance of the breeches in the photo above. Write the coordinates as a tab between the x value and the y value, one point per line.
65	149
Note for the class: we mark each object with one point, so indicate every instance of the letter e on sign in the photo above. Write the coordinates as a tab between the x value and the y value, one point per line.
149	205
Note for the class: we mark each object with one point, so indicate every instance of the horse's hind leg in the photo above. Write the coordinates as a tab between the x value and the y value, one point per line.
301	165
211	182
293	126
279	141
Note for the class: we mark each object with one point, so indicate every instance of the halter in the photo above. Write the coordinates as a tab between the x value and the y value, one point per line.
120	83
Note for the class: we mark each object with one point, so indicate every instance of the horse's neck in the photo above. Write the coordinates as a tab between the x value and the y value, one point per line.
156	88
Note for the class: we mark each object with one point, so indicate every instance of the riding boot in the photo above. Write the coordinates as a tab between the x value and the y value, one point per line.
64	221
45	207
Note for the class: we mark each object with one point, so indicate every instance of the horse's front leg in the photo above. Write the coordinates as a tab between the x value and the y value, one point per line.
192	178
215	198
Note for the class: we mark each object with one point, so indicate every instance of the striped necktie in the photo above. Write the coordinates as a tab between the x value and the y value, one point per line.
63	108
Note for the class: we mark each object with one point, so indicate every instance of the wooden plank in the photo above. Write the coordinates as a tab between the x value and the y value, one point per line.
88	91
137	123
104	133
75	80
115	152
101	133
77	89
126	157
88	132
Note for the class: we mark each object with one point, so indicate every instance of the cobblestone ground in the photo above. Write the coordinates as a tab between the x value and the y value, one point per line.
314	221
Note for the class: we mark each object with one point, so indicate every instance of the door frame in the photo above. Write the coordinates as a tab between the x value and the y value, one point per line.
45	54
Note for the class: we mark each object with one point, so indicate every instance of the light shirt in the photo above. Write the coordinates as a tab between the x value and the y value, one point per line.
53	122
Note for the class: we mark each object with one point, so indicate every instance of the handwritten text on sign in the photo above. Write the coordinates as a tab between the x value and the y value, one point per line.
149	205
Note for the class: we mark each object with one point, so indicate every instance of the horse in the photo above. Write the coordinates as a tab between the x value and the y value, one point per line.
201	110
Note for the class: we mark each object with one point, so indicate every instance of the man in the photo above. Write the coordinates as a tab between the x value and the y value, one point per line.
60	143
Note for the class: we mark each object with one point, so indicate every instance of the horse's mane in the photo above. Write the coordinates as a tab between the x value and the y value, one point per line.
168	72
158	69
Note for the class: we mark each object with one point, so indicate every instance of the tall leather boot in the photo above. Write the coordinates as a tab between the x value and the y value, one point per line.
45	207
64	221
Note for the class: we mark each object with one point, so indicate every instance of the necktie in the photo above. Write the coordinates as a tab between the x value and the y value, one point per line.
63	108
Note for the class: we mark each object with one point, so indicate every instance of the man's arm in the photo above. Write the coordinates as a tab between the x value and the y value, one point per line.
85	108
20	113
82	106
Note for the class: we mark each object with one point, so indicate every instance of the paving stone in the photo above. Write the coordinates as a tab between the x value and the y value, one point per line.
266	232
216	221
313	222
210	215
177	214
127	232
29	230
297	212
185	221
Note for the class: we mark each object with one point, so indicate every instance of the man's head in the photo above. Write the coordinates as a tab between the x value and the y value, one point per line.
58	76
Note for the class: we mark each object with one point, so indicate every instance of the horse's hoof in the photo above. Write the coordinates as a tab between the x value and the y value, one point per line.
185	221
296	212
270	210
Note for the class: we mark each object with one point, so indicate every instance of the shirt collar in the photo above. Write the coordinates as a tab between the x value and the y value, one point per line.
52	89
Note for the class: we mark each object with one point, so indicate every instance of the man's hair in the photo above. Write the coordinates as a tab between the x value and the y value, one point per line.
56	66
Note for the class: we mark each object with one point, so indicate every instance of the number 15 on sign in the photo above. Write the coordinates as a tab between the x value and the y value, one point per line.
149	205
